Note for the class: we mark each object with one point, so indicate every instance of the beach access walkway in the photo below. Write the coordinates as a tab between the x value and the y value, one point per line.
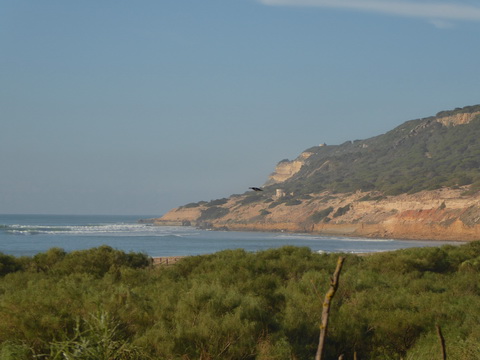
166	260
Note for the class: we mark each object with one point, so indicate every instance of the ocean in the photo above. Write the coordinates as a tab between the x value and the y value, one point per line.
27	235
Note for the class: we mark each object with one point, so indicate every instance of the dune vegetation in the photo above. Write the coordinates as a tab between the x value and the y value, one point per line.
106	304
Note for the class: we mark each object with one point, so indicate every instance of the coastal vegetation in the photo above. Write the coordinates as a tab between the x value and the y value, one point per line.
321	214
213	212
423	154
418	155
106	304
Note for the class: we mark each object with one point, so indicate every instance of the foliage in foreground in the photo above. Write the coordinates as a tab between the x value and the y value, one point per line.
105	304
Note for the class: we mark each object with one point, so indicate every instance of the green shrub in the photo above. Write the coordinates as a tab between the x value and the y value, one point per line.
250	199
212	213
293	202
342	211
99	337
239	305
8	264
320	215
14	351
217	202
191	205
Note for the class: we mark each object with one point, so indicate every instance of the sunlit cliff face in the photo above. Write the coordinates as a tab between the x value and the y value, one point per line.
457	119
443	214
286	169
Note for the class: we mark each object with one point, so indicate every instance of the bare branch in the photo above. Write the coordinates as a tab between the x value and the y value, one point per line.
326	308
442	342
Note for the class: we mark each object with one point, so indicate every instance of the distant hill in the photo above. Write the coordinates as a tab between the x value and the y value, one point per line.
423	154
419	180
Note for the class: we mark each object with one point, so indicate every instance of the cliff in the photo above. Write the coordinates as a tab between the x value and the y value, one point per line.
458	119
418	181
444	214
285	169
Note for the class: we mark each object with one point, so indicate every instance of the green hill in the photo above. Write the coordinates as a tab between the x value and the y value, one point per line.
422	154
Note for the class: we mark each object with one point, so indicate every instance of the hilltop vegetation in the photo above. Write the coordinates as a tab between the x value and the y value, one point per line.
105	304
422	154
419	155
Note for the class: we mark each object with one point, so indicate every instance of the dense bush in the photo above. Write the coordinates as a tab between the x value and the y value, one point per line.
191	205
251	199
342	210
8	264
321	214
105	304
217	202
293	202
212	213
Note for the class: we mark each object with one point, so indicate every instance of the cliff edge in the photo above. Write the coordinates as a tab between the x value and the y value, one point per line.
419	181
444	214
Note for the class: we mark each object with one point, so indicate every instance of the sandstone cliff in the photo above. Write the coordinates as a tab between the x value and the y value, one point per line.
418	181
457	119
286	169
444	214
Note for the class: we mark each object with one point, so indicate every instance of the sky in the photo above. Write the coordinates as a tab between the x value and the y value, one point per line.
123	107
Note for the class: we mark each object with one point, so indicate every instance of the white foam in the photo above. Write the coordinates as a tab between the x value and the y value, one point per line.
118	229
329	238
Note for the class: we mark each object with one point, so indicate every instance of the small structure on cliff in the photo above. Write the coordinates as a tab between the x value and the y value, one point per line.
279	193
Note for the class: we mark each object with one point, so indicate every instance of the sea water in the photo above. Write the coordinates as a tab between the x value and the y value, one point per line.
27	235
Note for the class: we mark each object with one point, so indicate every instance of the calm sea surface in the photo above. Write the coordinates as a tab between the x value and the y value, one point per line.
26	235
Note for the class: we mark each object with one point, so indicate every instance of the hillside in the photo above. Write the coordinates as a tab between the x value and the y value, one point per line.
423	154
419	180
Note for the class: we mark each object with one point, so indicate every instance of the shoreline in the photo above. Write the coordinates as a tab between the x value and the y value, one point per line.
173	259
444	214
344	230
412	232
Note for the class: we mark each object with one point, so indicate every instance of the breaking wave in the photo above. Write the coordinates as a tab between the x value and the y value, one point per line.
95	230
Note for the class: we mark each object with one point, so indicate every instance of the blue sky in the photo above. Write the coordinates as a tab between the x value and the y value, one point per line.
121	107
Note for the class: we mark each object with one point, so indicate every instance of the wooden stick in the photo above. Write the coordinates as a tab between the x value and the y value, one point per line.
442	342
326	308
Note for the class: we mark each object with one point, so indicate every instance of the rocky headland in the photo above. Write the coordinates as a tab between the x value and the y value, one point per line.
443	214
355	189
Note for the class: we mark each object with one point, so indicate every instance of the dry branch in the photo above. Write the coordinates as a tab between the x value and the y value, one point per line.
442	342
326	308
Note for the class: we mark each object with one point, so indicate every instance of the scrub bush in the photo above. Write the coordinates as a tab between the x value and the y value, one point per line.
106	304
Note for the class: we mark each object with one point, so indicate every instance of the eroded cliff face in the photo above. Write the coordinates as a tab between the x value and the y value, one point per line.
286	169
457	119
445	214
